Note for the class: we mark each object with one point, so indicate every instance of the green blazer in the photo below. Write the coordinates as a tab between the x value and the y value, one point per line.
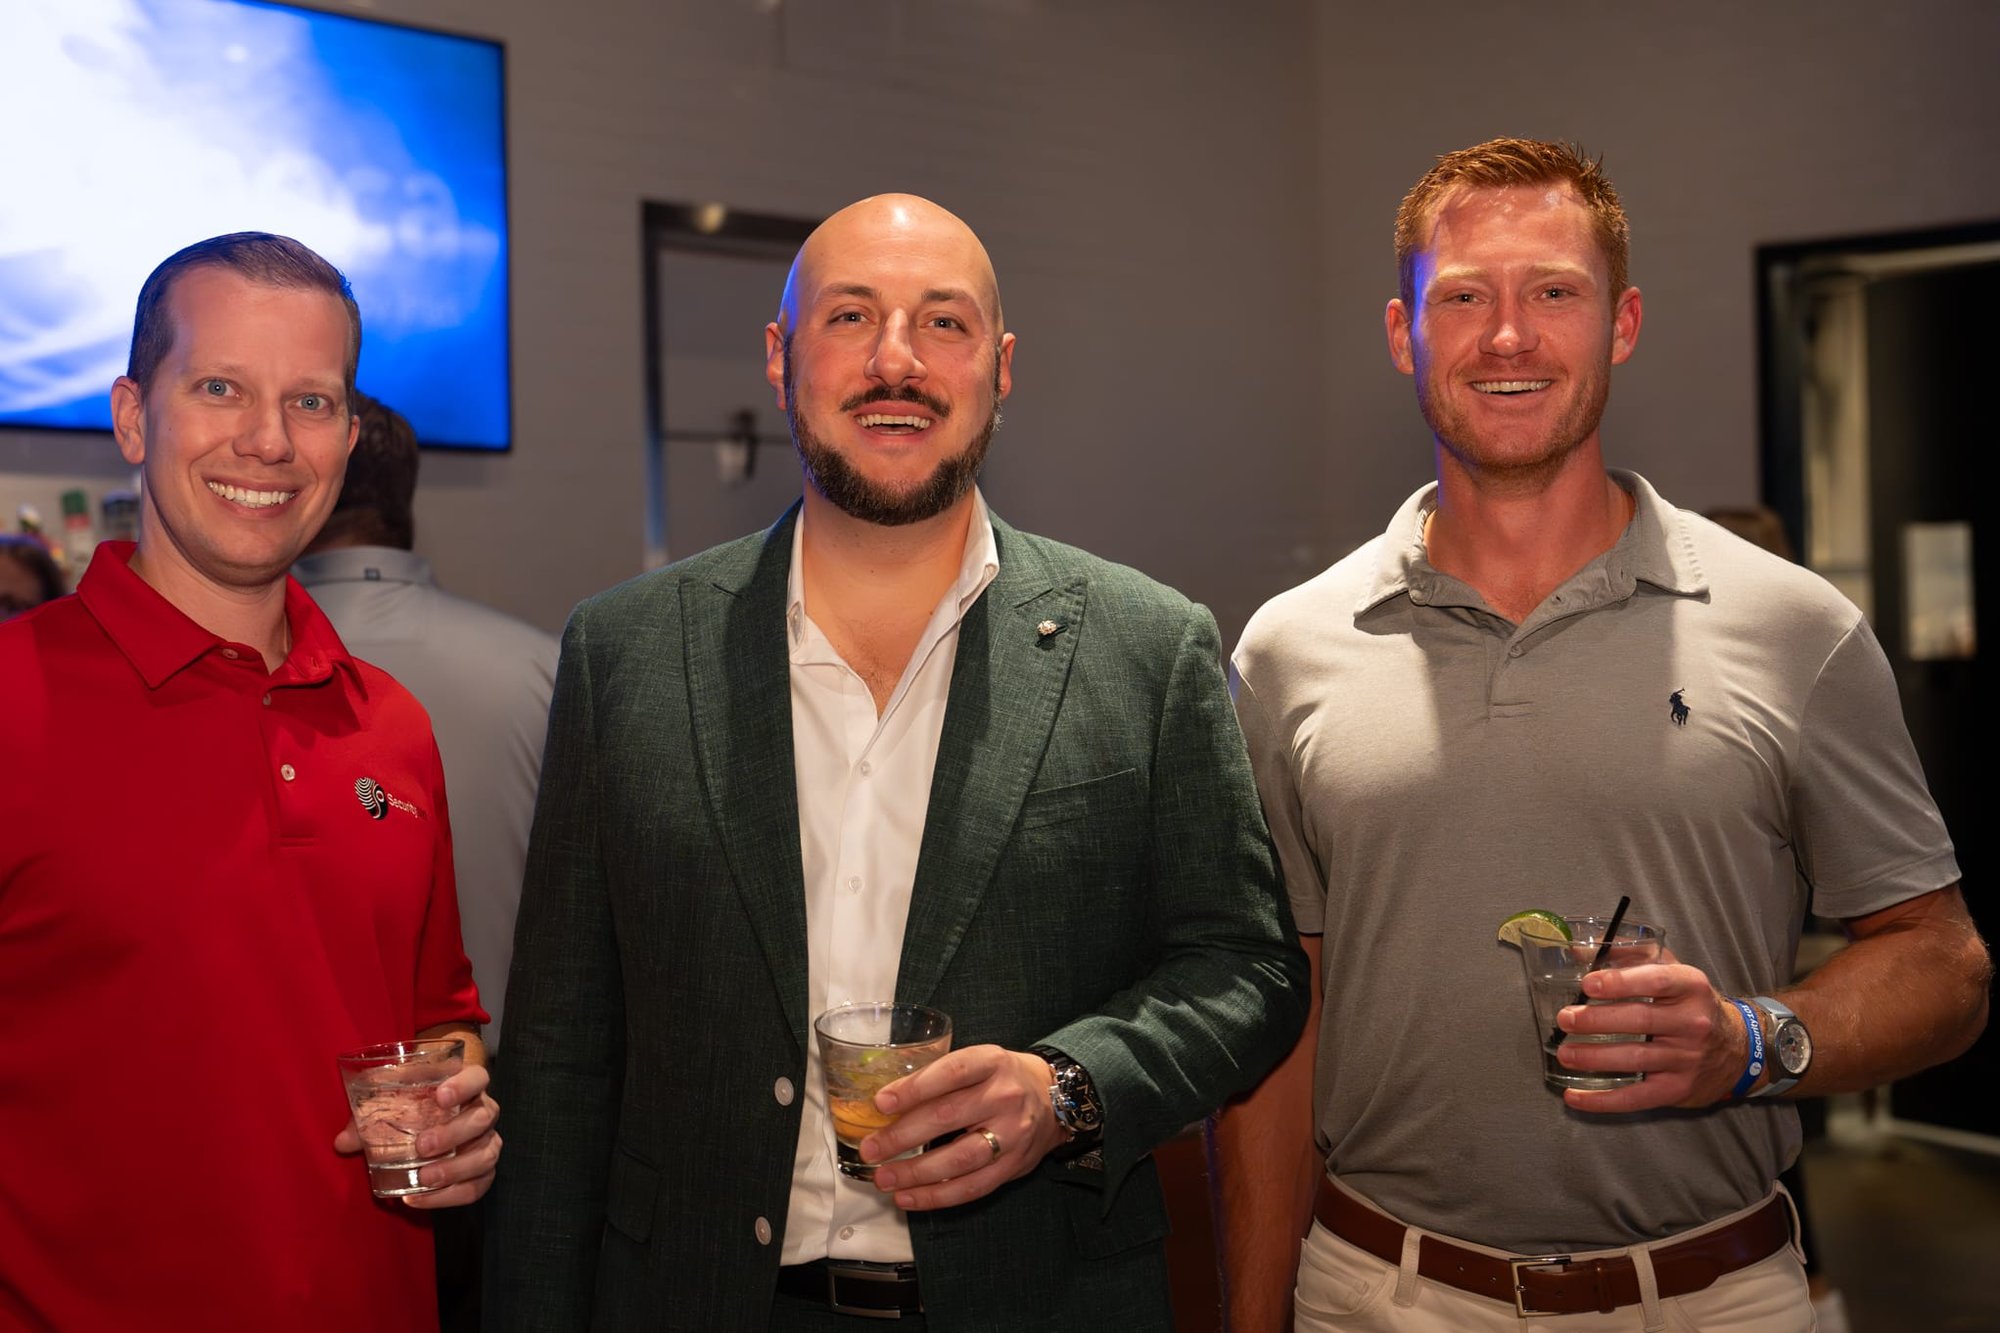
1095	874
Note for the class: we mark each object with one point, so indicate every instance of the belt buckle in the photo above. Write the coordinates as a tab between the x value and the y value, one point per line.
1514	1267
834	1276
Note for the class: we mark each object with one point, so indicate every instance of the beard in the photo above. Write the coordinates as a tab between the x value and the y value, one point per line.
842	486
1461	439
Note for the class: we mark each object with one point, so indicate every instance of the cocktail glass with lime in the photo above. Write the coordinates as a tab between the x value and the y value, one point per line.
1556	952
864	1047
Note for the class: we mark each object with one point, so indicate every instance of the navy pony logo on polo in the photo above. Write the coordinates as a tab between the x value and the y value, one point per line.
376	801
1677	708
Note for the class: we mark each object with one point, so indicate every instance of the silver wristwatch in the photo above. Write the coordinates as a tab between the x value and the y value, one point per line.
1073	1097
1790	1045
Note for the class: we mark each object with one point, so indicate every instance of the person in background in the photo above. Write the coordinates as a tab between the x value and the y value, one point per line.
28	575
485	678
225	858
1755	523
892	748
1541	688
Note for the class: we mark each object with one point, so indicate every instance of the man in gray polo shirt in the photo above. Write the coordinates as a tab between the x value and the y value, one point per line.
1545	687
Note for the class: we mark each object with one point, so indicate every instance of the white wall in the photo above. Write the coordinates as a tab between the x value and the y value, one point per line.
1189	205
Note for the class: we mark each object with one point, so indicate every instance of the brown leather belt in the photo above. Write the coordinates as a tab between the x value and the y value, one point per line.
1558	1284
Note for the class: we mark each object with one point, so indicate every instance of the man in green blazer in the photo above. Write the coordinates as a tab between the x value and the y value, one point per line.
890	748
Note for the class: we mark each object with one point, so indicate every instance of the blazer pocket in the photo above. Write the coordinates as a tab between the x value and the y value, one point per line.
1073	877
1110	796
630	1195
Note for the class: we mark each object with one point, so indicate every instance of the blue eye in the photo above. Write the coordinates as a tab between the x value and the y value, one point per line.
214	388
312	402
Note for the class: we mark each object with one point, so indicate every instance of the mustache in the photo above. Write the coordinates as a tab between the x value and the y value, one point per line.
883	393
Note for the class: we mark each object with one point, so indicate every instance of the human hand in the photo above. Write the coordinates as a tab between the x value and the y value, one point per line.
1000	1098
1698	1045
462	1178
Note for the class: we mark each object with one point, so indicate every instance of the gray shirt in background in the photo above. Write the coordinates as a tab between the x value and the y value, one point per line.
485	678
1428	768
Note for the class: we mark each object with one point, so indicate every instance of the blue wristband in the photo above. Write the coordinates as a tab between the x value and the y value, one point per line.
1755	1065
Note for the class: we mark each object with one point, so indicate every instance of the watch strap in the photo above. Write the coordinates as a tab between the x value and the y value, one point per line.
1753	1066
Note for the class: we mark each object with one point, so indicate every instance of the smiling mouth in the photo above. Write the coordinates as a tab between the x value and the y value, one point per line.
250	499
885	421
1511	386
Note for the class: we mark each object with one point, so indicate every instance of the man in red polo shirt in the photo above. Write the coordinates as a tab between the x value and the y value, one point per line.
224	857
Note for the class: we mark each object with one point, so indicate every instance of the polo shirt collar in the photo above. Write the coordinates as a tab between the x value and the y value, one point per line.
363	564
1655	548
160	640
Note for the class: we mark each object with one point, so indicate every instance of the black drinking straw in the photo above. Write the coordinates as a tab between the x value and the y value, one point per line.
1556	1034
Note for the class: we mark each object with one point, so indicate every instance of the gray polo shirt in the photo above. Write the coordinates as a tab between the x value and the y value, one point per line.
1428	767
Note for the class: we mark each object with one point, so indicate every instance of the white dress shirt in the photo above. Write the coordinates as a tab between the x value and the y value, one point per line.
864	783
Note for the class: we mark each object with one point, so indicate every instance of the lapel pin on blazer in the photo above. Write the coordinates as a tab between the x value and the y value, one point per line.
1048	627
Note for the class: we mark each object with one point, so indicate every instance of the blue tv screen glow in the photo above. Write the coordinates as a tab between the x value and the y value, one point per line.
135	127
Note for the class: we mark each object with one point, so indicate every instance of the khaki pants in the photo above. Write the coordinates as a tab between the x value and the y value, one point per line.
1345	1290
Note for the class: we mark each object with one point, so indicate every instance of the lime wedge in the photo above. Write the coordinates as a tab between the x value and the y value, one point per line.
1535	921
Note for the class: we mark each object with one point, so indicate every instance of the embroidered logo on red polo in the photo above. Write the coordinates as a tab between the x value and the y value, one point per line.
378	802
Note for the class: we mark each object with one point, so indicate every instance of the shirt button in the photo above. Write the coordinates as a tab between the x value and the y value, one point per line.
230	653
288	772
763	1229
854	883
865	767
782	1090
847	1233
1515	651
267	701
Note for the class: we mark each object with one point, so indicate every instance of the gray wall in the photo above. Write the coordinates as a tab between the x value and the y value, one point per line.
1724	126
1189	205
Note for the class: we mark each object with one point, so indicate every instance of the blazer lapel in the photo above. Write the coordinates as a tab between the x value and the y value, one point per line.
1006	686
740	705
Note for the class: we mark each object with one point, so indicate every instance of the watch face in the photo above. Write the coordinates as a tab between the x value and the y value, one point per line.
1794	1048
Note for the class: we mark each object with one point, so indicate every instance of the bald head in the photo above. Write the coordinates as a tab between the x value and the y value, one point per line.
890	362
899	229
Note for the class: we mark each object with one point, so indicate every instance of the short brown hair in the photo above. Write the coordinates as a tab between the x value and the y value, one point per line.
1497	164
29	553
274	261
377	501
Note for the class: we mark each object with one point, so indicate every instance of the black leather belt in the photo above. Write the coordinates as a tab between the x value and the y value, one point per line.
1557	1283
854	1286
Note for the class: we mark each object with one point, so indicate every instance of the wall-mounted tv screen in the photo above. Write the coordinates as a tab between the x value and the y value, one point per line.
135	127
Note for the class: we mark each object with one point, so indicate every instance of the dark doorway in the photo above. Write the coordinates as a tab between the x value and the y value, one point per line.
1876	357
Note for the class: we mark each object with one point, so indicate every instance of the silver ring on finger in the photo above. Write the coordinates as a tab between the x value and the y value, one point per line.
992	1141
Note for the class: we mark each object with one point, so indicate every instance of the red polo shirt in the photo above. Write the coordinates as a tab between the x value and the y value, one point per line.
212	878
